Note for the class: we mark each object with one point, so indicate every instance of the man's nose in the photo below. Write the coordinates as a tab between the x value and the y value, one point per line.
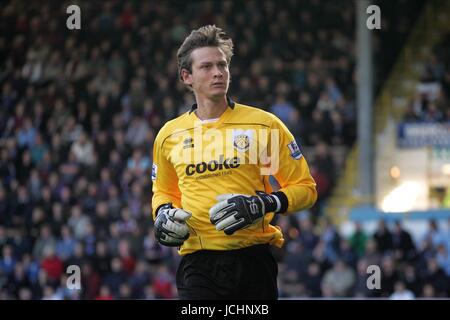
217	72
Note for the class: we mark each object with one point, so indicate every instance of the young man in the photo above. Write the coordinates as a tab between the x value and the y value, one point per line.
211	191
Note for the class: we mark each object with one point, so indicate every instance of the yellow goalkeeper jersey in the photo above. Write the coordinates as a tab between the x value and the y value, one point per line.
194	161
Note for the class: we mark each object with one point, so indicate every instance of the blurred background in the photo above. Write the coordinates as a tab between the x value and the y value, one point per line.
79	110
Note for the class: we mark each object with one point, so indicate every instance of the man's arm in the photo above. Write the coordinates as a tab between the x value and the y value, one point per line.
298	188
170	221
165	180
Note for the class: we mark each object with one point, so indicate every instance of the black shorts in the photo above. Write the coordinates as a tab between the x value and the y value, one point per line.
249	273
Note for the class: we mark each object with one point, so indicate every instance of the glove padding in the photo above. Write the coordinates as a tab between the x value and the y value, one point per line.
238	211
170	226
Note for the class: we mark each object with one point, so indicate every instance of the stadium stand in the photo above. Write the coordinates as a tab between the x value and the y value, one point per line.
79	112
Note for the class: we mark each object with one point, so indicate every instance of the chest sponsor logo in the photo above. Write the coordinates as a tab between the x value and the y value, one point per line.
213	165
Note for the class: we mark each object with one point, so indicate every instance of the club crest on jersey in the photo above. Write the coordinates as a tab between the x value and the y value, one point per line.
295	150
154	171
241	140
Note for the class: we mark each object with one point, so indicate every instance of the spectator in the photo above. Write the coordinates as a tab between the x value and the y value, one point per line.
38	150
383	237
102	258
137	132
26	136
436	277
105	293
66	246
372	254
45	240
8	261
78	222
90	281
163	285
307	236
428	291
297	259
331	239
126	257
346	253
313	279
402	243
358	240
443	259
283	110
390	276
116	277
411	280
52	265
401	292
83	150
361	288
338	281
139	163
434	233
19	281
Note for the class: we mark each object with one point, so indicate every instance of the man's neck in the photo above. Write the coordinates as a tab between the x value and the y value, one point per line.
210	109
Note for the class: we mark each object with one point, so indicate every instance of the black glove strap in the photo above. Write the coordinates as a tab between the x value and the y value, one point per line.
270	203
164	206
283	200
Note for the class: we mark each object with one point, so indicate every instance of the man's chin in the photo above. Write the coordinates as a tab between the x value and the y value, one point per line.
217	94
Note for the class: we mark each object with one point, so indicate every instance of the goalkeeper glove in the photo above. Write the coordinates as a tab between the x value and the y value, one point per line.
170	226
237	211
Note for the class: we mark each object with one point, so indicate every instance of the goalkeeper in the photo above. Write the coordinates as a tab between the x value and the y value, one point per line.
211	192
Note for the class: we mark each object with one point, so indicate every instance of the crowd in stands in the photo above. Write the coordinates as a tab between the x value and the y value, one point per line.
432	96
79	110
330	265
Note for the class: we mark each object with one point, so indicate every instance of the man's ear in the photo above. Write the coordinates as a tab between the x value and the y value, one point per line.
186	76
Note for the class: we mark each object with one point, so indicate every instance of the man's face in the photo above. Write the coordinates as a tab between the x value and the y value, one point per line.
210	75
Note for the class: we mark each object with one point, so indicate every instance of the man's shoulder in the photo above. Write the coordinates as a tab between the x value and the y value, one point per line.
248	113
179	123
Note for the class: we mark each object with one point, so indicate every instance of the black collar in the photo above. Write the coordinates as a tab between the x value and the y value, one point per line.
229	102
